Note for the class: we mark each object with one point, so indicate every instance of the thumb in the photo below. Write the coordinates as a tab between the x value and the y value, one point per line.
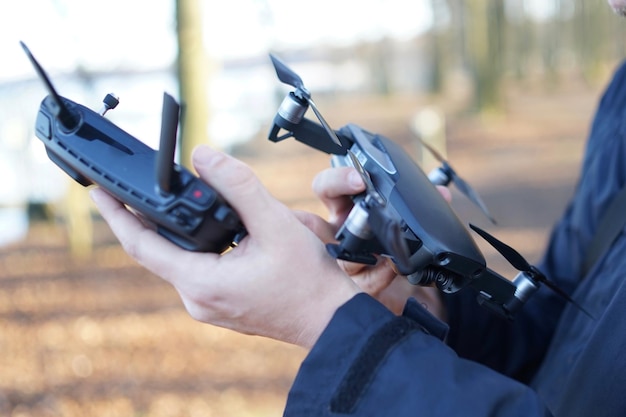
236	183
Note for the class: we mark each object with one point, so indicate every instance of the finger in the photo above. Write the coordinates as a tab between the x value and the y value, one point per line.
236	183
333	187
375	279
445	193
352	268
322	229
143	244
338	182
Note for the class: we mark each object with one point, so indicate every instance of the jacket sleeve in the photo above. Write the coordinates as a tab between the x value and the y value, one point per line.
517	348
369	362
514	348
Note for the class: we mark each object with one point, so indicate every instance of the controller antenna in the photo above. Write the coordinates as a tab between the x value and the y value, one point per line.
167	145
109	103
68	119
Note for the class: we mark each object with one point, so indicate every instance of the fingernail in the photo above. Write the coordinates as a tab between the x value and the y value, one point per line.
94	193
202	155
355	180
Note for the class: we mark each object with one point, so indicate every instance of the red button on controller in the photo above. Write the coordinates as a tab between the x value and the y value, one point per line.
199	194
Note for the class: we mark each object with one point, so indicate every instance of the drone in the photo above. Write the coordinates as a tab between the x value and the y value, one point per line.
401	215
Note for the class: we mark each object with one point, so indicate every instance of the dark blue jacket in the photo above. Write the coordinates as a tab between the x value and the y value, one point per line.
552	359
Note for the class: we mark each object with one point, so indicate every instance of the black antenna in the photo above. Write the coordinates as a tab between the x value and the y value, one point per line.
167	146
56	106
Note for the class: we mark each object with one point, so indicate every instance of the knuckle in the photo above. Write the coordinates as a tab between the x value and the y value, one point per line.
318	184
131	248
227	170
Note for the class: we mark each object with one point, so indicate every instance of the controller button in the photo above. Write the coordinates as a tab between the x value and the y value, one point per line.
199	194
184	217
226	217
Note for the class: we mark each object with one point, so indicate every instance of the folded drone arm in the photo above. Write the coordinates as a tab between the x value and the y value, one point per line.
308	132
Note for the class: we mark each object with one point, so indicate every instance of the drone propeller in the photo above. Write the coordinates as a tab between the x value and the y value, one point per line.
451	176
289	77
522	265
387	230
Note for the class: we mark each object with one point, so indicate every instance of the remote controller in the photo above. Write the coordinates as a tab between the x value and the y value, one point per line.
93	150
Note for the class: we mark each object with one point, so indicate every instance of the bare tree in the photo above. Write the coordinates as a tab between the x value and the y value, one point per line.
485	37
193	68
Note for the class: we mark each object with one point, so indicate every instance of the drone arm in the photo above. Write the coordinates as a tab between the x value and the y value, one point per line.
440	176
501	295
308	132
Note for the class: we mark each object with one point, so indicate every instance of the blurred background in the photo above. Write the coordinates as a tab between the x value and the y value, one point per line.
505	89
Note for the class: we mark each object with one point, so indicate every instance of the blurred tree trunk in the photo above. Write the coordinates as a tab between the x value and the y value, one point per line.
520	38
616	32
485	37
550	45
437	49
435	81
459	30
591	38
193	69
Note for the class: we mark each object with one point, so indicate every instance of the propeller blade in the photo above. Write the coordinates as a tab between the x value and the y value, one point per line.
460	183
432	150
469	192
286	74
522	265
367	180
505	250
562	293
326	126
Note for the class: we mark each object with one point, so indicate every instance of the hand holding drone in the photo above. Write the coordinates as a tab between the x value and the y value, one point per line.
401	215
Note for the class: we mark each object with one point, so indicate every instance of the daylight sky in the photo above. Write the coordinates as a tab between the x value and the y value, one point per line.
140	33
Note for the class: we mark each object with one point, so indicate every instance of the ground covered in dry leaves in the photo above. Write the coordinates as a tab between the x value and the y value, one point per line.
99	336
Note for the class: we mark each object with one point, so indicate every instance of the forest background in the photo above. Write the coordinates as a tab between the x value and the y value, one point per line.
506	89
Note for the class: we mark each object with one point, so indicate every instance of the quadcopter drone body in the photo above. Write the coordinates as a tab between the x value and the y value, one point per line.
401	215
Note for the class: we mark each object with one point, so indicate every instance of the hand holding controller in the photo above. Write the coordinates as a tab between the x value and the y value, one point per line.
93	150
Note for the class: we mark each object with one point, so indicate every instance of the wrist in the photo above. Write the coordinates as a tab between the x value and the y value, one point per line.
318	315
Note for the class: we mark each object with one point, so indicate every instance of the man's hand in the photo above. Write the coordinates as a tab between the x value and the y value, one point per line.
334	186
279	282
